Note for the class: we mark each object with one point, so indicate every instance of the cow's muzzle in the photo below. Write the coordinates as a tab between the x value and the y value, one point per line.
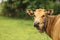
36	24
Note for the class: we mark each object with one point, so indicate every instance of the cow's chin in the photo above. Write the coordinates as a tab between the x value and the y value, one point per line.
41	29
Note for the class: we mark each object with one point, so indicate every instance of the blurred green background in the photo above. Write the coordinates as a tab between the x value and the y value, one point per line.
17	8
15	24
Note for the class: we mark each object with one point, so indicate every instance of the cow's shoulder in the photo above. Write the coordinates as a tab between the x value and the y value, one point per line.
57	19
57	23
54	19
58	16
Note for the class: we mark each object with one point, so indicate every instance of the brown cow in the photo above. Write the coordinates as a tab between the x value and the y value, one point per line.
45	21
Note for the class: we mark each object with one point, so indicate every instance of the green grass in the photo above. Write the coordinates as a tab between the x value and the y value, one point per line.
19	29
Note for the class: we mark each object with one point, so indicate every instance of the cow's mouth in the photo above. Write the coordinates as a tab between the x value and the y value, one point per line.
39	29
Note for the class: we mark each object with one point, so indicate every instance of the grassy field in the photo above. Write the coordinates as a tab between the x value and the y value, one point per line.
19	29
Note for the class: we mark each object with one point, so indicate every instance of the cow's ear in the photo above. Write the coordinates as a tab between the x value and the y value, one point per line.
50	12
30	12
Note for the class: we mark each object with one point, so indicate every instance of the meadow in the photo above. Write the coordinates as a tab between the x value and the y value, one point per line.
19	29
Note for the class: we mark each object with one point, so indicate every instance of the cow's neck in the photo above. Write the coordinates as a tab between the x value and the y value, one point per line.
50	20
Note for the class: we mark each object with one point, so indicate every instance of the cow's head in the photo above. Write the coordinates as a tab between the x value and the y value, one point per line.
40	18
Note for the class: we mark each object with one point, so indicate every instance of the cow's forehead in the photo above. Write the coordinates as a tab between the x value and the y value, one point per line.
39	11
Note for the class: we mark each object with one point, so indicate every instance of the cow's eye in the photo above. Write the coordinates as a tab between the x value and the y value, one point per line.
43	15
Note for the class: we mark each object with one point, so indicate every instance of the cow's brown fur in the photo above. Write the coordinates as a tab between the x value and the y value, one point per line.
52	25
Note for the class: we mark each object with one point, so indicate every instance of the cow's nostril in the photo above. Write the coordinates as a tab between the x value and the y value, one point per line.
36	24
